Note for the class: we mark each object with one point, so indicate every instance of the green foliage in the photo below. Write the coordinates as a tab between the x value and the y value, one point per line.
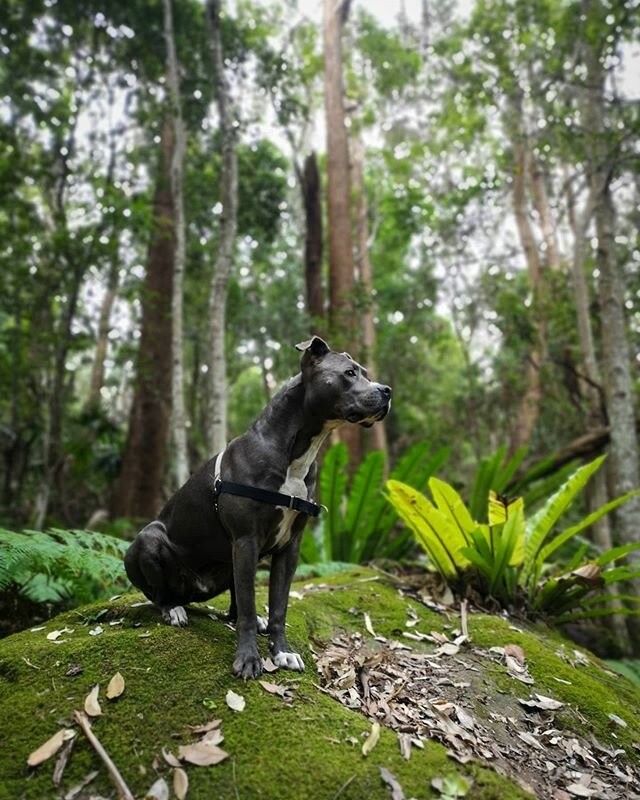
358	524
507	557
67	567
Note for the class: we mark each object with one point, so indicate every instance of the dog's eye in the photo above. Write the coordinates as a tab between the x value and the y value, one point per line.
351	373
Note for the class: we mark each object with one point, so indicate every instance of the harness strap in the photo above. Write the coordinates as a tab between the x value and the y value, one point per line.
261	495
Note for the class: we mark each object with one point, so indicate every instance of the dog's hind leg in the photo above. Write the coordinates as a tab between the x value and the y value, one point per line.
148	566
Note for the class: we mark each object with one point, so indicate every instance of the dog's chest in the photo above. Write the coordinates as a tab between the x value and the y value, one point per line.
294	483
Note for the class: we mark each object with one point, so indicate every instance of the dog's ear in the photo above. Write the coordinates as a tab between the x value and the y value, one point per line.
315	347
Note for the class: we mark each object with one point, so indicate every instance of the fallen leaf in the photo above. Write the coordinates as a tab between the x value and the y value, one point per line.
617	720
91	704
171	760
53	635
180	783
404	740
274	688
391	781
96	631
212	737
159	791
530	739
515	651
202	755
50	747
268	665
578	790
35	630
372	739
236	702
115	687
448	649
74	669
63	760
542	702
207	726
75	790
368	625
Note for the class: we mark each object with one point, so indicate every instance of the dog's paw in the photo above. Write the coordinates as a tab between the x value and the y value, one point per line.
263	625
286	660
175	616
247	665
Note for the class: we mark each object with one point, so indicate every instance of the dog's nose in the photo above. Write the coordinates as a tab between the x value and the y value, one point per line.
386	391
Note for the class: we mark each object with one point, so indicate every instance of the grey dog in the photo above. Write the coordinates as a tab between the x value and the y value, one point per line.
205	542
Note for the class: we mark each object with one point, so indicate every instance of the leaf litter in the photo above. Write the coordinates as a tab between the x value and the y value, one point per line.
437	696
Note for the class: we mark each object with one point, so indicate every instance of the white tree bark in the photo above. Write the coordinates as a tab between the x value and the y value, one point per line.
217	366
178	414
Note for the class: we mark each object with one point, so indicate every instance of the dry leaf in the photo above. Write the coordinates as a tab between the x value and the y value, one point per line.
212	737
50	747
115	687
543	703
530	739
515	651
56	634
274	688
448	649
390	780
368	625
579	790
159	791
268	665
91	704
236	702
372	739
203	755
96	631
75	790
171	760
404	740
206	727
180	783
618	720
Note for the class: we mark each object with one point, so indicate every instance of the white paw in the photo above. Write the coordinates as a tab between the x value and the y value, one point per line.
177	617
263	624
288	661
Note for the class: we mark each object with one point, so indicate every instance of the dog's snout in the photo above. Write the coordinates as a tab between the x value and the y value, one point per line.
386	391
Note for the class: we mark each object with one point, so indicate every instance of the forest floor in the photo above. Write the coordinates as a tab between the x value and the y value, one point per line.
403	697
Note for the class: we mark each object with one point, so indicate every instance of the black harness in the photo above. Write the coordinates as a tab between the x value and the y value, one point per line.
261	495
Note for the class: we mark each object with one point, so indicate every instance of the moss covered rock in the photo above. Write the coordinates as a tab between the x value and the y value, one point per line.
310	747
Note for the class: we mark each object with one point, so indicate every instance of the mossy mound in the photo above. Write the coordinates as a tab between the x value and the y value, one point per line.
309	748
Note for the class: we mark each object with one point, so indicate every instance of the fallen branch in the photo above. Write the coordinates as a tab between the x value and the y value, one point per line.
464	626
85	726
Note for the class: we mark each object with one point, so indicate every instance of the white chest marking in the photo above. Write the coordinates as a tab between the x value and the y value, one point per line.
294	482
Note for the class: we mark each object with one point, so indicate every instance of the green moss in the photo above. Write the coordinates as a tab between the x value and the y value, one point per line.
300	750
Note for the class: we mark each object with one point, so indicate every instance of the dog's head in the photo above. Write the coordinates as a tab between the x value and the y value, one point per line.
339	388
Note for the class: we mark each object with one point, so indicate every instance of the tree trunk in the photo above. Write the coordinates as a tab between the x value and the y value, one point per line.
102	339
311	195
342	319
217	372
376	435
541	201
529	407
624	466
138	490
178	419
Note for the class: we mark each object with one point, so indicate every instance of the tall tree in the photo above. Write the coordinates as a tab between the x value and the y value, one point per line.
601	156
309	178
342	318
178	418
138	489
228	122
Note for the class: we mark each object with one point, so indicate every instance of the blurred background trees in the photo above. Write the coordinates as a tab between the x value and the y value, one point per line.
447	190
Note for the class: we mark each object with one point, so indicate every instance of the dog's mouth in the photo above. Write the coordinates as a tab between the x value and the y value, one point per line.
370	419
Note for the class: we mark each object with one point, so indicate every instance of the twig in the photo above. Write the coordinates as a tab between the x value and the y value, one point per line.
83	721
61	763
463	618
343	787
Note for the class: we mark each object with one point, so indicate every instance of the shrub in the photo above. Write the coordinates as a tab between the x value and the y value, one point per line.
510	557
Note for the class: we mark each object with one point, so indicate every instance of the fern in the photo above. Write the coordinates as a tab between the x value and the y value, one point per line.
60	566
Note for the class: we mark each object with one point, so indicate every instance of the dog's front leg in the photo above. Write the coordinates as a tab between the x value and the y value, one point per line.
247	663
283	566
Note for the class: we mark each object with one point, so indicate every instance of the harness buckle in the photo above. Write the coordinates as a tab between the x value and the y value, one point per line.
292	499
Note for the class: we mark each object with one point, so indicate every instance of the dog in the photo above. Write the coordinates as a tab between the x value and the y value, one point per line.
252	500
